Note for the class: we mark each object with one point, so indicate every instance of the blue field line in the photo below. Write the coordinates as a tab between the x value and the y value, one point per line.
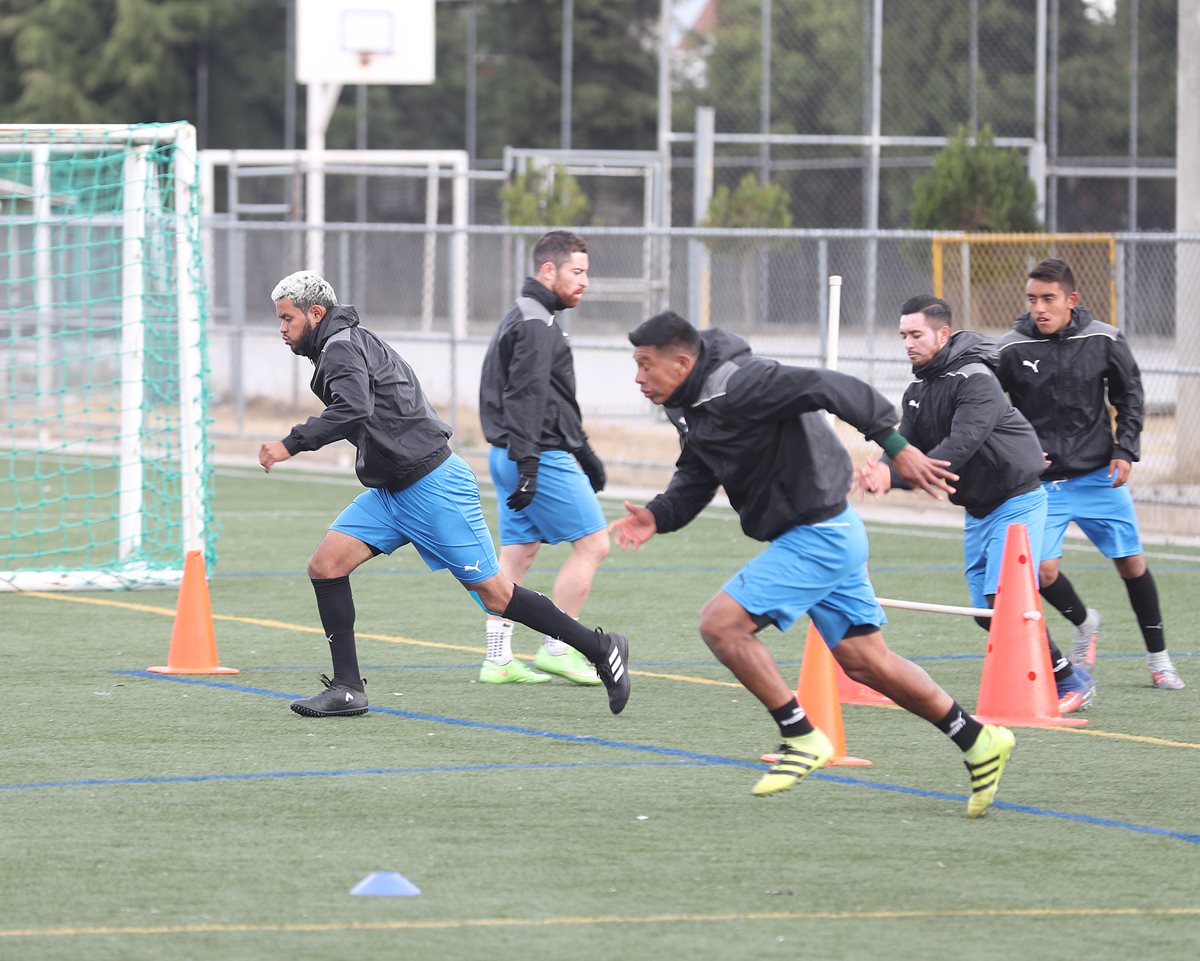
825	775
679	755
351	772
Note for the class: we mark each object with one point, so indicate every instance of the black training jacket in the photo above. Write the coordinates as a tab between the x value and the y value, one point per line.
1060	383
527	385
372	399
956	411
754	426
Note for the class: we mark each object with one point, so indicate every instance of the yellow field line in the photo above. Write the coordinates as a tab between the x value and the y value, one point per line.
1137	738
414	642
462	923
307	629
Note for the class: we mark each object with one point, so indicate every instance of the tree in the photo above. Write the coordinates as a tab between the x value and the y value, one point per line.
543	197
751	205
975	187
135	61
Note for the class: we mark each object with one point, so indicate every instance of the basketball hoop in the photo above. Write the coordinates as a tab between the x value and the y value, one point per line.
365	41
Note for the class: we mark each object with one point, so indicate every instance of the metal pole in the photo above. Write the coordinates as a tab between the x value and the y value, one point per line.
289	75
764	96
764	153
471	95
973	80
873	197
1187	253
1134	65
1132	249
568	56
1037	162
700	302
1051	111
359	283
664	141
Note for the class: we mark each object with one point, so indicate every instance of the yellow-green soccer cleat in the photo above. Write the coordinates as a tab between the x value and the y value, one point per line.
798	758
514	672
569	664
985	763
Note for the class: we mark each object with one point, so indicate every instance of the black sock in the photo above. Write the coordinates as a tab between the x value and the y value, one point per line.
335	604
1062	597
1058	663
1143	596
959	726
538	611
792	720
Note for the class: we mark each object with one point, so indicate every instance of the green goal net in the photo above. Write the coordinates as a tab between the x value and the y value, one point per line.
105	466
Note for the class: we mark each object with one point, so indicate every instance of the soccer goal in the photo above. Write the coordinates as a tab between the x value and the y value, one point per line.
106	477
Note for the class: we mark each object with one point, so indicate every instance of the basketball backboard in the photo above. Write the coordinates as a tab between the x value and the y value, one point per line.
365	41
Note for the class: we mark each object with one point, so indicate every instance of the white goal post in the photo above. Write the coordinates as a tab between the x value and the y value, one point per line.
106	459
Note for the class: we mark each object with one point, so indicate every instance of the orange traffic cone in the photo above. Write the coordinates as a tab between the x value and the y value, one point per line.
193	641
817	693
855	692
1017	688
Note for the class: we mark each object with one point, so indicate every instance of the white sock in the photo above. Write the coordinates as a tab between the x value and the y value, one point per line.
555	646
499	641
1159	661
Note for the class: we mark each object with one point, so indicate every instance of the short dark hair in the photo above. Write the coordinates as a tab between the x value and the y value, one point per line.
936	310
1054	271
557	247
664	330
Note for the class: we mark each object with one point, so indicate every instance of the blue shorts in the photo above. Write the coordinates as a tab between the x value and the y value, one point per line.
565	507
984	538
815	569
1103	512
440	515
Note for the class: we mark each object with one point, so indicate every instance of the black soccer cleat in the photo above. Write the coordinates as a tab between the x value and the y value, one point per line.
613	668
336	700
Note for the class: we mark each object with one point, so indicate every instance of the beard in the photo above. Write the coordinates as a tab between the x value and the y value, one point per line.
299	347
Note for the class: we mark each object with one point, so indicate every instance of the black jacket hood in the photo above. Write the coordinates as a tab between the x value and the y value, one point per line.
716	347
338	317
964	347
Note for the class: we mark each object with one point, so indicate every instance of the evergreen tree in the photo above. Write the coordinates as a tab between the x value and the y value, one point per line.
975	187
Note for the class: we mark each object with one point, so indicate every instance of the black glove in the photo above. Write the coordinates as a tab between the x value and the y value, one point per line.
522	497
593	467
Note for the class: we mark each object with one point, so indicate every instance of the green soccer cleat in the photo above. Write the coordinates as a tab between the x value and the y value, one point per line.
514	672
985	763
570	664
798	758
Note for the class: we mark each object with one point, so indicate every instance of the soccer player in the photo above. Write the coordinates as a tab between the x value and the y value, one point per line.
545	473
754	426
418	492
955	410
1063	370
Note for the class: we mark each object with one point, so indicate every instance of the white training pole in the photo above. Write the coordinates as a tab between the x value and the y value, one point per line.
832	329
935	608
949	609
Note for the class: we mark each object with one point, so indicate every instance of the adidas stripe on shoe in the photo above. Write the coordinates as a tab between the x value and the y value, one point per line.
797	758
985	761
613	668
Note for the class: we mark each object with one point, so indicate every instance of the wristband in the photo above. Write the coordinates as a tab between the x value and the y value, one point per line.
895	443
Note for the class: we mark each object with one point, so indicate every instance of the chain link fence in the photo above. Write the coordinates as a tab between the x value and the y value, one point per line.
769	286
844	104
